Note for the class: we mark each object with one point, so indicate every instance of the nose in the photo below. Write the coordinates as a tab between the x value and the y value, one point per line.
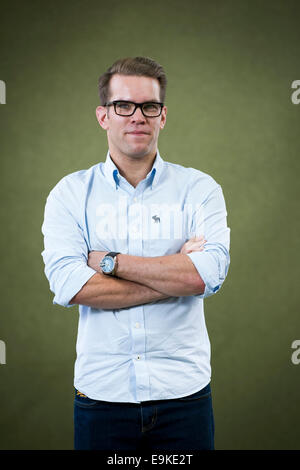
138	115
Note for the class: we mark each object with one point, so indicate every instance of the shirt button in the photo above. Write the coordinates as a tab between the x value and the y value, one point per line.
137	325
135	199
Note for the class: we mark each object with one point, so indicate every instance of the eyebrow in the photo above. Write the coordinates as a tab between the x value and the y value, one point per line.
147	101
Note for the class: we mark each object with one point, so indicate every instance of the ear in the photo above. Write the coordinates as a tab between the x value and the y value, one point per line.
163	117
101	114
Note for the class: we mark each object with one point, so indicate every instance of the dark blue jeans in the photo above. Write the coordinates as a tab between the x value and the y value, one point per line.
183	424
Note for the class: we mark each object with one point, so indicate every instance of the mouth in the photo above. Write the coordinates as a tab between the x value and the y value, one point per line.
138	133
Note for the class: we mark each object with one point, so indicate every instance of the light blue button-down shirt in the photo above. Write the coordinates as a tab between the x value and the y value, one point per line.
155	351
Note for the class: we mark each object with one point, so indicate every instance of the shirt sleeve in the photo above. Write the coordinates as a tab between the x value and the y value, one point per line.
65	249
210	220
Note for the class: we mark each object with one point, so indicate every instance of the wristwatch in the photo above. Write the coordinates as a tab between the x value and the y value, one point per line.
108	264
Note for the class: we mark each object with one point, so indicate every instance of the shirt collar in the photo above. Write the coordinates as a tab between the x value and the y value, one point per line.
112	175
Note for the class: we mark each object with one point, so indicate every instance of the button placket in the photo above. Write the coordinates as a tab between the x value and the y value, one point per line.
137	322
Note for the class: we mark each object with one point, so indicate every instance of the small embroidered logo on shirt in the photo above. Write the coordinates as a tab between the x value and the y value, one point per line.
156	219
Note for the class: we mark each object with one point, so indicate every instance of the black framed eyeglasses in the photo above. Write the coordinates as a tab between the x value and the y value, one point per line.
128	108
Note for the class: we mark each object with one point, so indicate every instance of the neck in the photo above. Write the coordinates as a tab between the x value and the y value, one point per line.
133	169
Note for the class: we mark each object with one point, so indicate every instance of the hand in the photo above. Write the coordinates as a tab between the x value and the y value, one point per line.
94	259
193	244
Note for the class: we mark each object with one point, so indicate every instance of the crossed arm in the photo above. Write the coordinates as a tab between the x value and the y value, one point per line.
142	280
70	269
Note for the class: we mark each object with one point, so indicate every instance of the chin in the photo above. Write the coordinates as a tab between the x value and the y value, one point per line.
138	152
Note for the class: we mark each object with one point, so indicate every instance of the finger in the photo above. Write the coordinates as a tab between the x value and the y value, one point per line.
196	238
196	244
195	249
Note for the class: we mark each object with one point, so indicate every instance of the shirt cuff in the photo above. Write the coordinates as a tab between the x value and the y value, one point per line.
207	268
80	276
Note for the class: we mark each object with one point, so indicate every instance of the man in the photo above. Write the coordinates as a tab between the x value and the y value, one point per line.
138	243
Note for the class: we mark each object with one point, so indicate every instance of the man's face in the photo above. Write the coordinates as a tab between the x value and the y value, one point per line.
134	136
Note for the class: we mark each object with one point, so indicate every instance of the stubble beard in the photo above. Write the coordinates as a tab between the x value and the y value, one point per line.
131	152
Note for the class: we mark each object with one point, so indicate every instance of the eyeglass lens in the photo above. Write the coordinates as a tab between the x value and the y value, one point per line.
124	108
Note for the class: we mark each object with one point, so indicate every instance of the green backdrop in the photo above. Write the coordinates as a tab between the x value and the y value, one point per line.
230	67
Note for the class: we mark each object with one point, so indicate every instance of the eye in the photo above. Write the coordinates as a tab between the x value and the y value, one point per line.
122	105
151	107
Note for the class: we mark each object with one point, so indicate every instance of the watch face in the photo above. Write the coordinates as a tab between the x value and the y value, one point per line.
108	264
